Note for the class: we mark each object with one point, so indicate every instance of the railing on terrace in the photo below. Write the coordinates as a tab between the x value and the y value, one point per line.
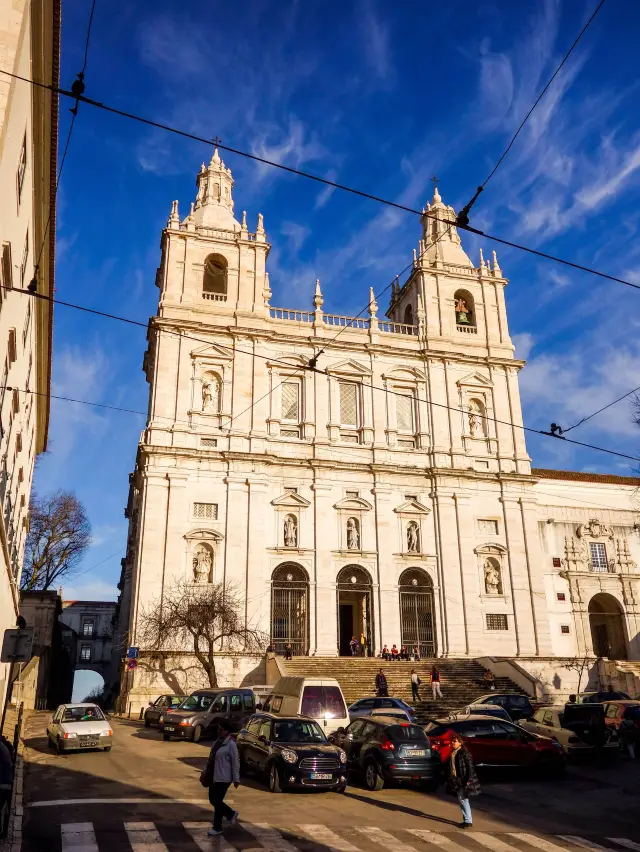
287	314
215	297
397	328
467	329
344	322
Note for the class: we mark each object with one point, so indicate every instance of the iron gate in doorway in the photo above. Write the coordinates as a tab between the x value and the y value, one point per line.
290	609
417	620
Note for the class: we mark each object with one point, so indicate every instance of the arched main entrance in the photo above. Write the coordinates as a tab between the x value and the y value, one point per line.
607	627
417	619
355	607
290	609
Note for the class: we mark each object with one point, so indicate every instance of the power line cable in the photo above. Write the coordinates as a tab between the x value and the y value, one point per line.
463	215
325	181
599	411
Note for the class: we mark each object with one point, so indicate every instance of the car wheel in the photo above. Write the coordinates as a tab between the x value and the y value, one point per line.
342	789
59	748
107	748
373	780
147	723
275	784
166	737
197	733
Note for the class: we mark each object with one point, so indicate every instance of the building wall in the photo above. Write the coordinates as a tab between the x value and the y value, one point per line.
29	45
93	624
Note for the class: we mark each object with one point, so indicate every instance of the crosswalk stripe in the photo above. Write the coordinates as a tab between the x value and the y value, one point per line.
198	832
328	838
78	837
437	839
385	839
493	843
538	842
586	844
144	837
628	844
269	837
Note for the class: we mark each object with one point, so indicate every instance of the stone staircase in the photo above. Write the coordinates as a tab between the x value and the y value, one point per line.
461	680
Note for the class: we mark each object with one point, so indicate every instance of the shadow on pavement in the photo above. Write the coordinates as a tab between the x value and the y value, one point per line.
392	806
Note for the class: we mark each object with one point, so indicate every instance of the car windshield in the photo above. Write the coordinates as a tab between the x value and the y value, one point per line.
196	702
83	714
176	700
323	702
297	731
406	732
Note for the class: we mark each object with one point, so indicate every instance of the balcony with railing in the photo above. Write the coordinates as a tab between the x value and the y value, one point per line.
343	321
601	566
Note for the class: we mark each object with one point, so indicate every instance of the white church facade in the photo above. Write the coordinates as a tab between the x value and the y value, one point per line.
383	488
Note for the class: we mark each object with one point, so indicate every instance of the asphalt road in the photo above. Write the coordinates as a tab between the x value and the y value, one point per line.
145	796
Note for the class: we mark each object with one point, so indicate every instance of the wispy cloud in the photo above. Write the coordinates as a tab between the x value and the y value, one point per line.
293	146
524	344
376	42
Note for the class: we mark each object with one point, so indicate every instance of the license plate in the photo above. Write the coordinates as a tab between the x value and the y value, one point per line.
167	728
416	752
321	776
89	743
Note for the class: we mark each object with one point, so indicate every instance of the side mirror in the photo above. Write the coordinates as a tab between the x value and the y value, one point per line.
350	737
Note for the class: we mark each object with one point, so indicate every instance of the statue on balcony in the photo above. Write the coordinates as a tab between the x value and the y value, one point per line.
202	565
353	535
290	531
492	581
413	538
210	393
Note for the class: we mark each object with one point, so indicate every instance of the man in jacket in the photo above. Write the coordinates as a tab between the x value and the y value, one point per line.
222	769
381	684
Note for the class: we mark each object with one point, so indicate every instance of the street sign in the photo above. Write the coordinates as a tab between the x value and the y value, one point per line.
132	653
132	665
17	645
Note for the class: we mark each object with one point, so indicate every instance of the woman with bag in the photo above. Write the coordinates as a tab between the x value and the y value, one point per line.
223	768
462	781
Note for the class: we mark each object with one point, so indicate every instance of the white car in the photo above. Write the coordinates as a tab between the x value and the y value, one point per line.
78	726
547	721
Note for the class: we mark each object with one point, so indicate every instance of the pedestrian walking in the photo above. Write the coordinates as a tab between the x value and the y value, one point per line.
288	651
415	685
416	654
353	644
462	781
382	689
363	644
222	769
490	680
435	683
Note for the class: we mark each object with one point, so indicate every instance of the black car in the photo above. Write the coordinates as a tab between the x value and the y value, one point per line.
159	707
382	749
199	714
600	697
292	751
517	706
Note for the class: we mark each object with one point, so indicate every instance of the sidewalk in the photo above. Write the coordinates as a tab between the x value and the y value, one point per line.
13	841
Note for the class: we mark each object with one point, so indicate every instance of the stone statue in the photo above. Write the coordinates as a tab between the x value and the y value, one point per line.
475	419
209	395
492	584
353	536
290	532
201	565
413	538
462	312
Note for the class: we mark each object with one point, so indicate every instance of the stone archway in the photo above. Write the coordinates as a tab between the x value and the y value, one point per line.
417	612
355	608
290	609
608	634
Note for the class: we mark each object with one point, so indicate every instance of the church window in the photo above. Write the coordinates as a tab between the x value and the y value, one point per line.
561	596
564	628
291	402
352	494
85	653
290	490
408	315
350	412
598	552
464	307
205	510
497	621
214	282
488	526
405	413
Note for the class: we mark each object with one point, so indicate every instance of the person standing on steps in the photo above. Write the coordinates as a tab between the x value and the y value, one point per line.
288	651
382	689
435	682
462	781
222	769
415	686
363	644
353	644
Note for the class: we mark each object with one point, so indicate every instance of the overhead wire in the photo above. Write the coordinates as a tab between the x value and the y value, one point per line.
325	181
600	410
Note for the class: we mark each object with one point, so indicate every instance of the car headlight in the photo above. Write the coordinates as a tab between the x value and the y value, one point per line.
343	756
289	756
186	723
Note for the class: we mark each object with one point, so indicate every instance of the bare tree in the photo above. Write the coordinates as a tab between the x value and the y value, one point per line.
207	618
59	534
579	665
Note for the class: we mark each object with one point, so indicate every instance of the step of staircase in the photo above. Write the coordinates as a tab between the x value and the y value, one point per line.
461	680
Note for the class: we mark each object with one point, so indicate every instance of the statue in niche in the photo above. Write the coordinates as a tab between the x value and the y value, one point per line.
475	419
290	531
462	312
492	582
353	534
202	565
210	394
413	538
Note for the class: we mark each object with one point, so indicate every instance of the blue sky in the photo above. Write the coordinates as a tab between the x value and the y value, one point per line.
379	96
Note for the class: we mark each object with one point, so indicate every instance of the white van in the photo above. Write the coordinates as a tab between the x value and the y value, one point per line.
319	698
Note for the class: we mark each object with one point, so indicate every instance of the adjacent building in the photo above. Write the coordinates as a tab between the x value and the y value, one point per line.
387	492
92	624
30	48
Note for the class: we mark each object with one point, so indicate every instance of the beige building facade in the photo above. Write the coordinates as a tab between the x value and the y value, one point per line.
29	47
364	475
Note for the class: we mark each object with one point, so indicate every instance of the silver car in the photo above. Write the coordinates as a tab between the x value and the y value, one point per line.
74	727
366	706
548	721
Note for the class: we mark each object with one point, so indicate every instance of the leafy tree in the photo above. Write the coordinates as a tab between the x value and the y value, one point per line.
208	618
59	534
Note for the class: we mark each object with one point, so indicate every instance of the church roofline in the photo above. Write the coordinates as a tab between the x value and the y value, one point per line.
580	476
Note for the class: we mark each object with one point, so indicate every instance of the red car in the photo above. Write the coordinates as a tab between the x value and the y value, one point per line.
494	742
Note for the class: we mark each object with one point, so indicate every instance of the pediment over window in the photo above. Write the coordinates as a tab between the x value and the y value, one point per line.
404	374
490	548
475	380
212	351
288	360
349	368
290	501
353	504
203	535
412	507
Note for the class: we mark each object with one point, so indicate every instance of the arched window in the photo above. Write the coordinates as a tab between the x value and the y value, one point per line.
290	609
214	282
408	315
477	416
464	307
